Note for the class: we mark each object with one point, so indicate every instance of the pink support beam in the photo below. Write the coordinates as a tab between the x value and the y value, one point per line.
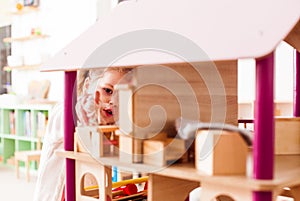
263	146
69	128
296	83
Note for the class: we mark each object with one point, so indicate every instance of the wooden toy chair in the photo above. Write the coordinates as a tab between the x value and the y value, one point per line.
27	157
101	173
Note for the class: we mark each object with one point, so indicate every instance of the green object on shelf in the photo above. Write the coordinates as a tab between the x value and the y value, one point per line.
4	118
1	147
8	149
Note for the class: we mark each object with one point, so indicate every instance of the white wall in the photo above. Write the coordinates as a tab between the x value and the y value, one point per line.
246	80
63	21
283	76
284	73
283	83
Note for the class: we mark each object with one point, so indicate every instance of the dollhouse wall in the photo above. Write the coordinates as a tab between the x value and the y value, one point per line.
192	91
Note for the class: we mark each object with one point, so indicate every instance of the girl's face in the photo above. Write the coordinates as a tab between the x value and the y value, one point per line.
105	103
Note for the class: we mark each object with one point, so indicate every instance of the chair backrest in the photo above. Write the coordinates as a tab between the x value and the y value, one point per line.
38	89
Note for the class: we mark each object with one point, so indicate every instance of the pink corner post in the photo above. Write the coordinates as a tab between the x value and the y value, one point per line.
296	83
69	128
263	146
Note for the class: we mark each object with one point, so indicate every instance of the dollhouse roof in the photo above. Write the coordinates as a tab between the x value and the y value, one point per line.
172	31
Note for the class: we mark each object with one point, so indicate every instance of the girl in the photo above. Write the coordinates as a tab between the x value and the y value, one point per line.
95	106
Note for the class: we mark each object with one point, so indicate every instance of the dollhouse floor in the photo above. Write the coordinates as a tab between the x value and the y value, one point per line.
13	189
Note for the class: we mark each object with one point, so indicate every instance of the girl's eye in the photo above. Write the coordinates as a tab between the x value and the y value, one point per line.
107	90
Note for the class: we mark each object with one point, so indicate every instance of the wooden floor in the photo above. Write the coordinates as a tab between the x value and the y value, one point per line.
14	189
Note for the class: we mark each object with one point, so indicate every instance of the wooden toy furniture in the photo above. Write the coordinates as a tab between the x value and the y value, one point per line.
97	140
38	90
163	152
178	78
130	149
27	157
289	194
165	102
100	173
170	188
85	164
287	135
92	140
237	187
220	152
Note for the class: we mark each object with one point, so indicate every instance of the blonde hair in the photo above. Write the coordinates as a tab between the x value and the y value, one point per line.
82	75
122	70
87	82
90	75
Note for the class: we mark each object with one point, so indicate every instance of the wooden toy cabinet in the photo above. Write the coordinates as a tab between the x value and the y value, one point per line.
224	35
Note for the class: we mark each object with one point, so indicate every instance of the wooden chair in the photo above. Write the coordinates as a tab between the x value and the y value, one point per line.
37	90
27	157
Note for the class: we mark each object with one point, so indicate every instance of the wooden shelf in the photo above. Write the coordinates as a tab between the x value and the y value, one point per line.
25	38
18	137
109	161
46	105
22	127
287	171
25	10
25	67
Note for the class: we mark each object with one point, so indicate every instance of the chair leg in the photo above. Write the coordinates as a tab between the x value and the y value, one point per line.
17	168
27	166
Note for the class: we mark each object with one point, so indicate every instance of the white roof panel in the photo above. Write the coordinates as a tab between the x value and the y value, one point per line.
168	31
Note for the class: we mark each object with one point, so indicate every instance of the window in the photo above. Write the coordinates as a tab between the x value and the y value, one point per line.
5	50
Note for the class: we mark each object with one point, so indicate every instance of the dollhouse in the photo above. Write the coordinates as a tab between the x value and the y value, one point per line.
187	53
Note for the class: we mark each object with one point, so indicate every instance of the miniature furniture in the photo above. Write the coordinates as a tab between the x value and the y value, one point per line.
220	152
242	35
98	140
92	140
169	188
39	90
102	174
27	157
163	152
287	135
165	102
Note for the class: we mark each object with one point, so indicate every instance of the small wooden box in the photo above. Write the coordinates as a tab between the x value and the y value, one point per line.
96	140
126	149
131	149
287	135
220	152
162	152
